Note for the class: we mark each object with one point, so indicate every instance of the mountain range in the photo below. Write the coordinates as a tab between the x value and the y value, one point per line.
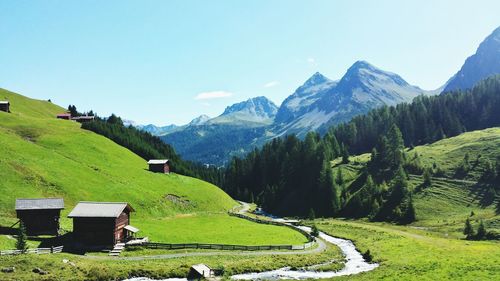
314	106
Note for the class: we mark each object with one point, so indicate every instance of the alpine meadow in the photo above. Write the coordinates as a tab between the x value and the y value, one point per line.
249	140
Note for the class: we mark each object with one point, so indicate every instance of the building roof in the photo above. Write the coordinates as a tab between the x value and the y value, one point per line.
4	102
83	117
202	269
64	114
158	161
99	209
39	204
131	228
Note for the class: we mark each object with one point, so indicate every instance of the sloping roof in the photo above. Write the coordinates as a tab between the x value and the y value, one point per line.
83	118
202	269
40	203
4	102
158	161
64	114
131	228
99	209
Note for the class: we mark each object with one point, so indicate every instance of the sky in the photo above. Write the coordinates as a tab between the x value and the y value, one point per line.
164	62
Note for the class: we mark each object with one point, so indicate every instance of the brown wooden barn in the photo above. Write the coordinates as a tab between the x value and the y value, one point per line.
65	116
40	216
102	223
5	106
159	166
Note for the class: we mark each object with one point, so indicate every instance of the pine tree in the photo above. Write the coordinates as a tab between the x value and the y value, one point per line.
396	146
488	173
468	230
340	178
312	215
345	154
21	243
314	231
409	214
481	231
497	169
427	178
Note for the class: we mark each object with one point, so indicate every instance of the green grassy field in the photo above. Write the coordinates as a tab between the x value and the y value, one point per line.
409	253
96	268
218	229
45	157
433	247
448	153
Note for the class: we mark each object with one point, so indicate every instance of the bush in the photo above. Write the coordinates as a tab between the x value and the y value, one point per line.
368	256
314	231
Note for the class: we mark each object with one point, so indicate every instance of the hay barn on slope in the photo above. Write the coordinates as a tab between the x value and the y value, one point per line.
40	215
5	106
159	166
102	223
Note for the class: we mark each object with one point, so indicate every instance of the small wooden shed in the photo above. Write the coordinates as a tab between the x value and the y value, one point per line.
65	116
41	215
200	271
5	106
102	223
159	166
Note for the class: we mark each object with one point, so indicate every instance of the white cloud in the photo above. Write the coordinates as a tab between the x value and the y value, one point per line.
311	61
271	84
213	95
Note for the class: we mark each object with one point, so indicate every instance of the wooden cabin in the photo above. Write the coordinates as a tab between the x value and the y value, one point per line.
40	216
65	116
5	106
83	119
159	166
102	223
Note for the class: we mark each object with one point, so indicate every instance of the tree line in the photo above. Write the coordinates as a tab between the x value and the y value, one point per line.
147	146
294	177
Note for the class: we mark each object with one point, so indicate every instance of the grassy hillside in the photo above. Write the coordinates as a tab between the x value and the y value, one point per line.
444	206
22	106
45	157
410	253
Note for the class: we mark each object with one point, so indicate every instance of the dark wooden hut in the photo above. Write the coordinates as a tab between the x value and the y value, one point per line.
40	216
102	223
5	106
159	166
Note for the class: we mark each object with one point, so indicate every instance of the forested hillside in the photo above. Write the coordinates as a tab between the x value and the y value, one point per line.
294	177
149	147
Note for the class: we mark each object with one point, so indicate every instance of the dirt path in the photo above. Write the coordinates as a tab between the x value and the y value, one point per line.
321	247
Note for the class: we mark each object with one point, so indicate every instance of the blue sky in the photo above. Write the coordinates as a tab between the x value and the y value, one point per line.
167	62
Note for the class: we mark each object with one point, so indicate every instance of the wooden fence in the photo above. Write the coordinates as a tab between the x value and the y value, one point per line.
39	251
310	238
168	246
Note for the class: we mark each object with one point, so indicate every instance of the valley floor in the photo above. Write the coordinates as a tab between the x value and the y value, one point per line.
413	253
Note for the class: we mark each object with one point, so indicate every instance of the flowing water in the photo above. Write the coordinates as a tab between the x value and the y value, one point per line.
354	264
